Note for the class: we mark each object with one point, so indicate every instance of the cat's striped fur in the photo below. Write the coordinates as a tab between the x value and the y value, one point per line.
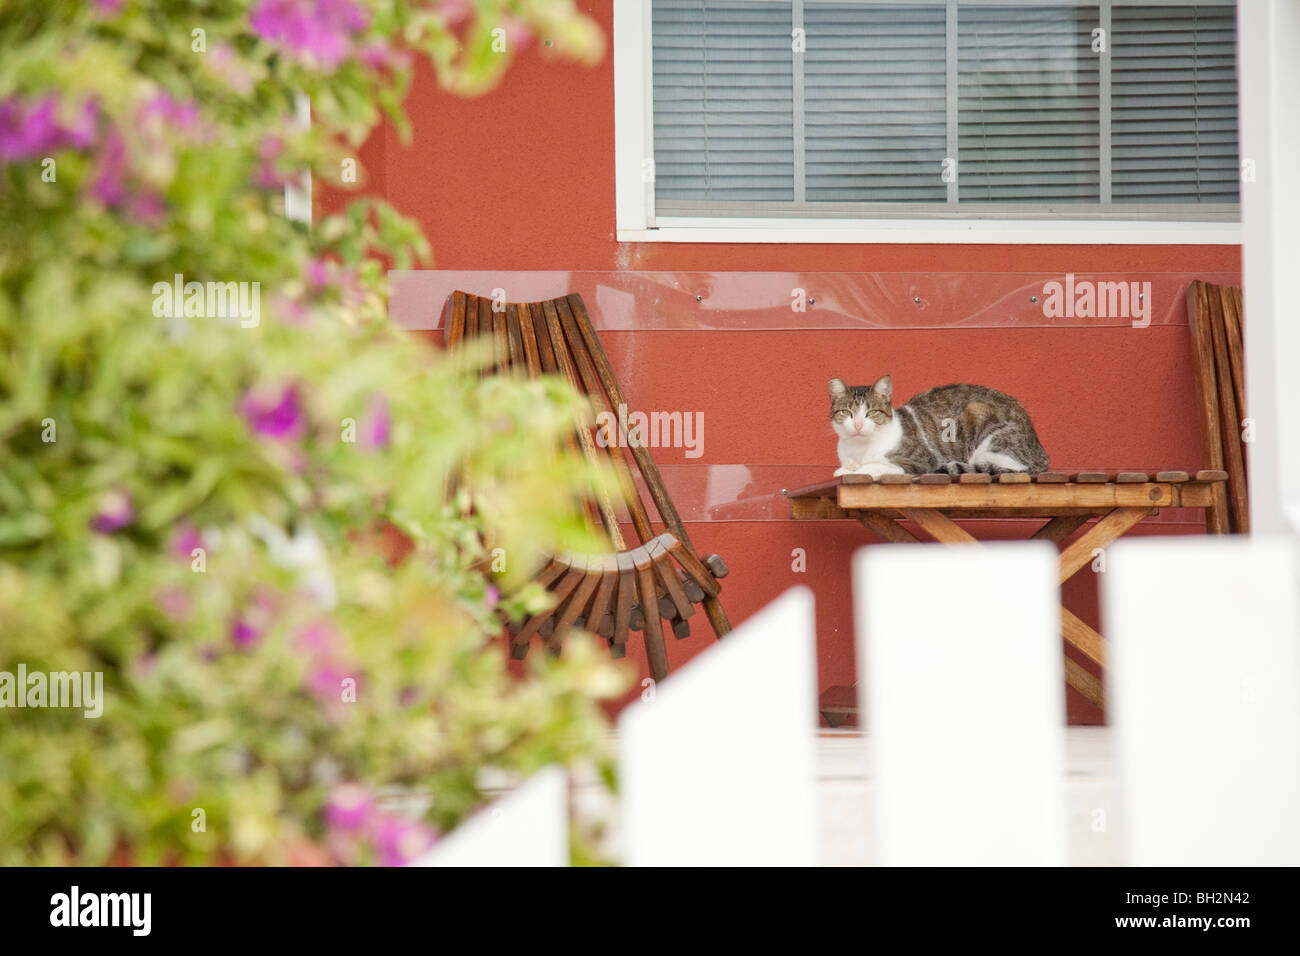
951	429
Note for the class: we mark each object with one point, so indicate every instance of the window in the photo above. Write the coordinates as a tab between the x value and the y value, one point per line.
1107	117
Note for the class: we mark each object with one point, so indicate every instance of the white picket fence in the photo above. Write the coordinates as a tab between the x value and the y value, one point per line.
962	688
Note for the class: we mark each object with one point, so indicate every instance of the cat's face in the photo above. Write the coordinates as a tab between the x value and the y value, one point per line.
858	410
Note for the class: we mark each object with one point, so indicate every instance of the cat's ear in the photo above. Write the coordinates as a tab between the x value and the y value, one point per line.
837	388
884	387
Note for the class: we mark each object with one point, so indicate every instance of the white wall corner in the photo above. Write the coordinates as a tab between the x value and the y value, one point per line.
1268	57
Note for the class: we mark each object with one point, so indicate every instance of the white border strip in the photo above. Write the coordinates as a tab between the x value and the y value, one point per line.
1026	232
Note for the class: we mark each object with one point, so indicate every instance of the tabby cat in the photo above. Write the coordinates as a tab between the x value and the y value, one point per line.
952	429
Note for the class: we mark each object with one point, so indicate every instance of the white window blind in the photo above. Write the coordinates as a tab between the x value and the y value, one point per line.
1001	109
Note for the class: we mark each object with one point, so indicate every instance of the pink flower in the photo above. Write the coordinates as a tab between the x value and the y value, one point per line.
491	596
350	807
147	207
400	841
325	683
328	668
276	416
115	512
518	33
267	175
109	7
176	603
378	55
223	63
316	31
319	641
454	12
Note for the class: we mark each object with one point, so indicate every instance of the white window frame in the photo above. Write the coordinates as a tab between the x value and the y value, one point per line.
634	192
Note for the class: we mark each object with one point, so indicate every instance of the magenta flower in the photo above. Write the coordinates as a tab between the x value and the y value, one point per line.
251	626
162	111
318	273
400	841
115	512
317	31
109	7
350	808
277	416
34	129
109	182
244	634
185	539
378	424
81	133
491	596
28	130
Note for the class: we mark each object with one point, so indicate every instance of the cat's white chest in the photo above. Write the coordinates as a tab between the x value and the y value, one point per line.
866	454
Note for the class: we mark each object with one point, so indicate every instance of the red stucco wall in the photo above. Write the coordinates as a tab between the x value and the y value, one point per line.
523	178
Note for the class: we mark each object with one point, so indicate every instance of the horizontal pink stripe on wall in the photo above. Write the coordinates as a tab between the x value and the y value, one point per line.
770	301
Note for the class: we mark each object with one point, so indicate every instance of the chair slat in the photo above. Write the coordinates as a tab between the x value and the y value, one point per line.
667	573
625	599
595	392
693	567
518	363
455	333
645	463
572	578
655	651
598	611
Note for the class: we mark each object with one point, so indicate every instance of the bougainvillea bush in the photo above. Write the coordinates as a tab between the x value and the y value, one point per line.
209	430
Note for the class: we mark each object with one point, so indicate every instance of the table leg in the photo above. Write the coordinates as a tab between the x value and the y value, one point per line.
886	527
1098	536
940	527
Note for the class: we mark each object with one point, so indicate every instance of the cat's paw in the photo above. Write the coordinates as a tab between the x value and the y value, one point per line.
876	469
840	471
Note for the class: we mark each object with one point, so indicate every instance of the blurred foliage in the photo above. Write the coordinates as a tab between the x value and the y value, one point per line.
197	501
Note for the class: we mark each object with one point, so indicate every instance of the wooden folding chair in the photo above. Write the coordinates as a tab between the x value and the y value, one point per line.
1214	316
637	588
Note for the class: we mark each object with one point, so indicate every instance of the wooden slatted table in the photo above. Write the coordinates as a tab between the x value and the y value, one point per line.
1065	503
